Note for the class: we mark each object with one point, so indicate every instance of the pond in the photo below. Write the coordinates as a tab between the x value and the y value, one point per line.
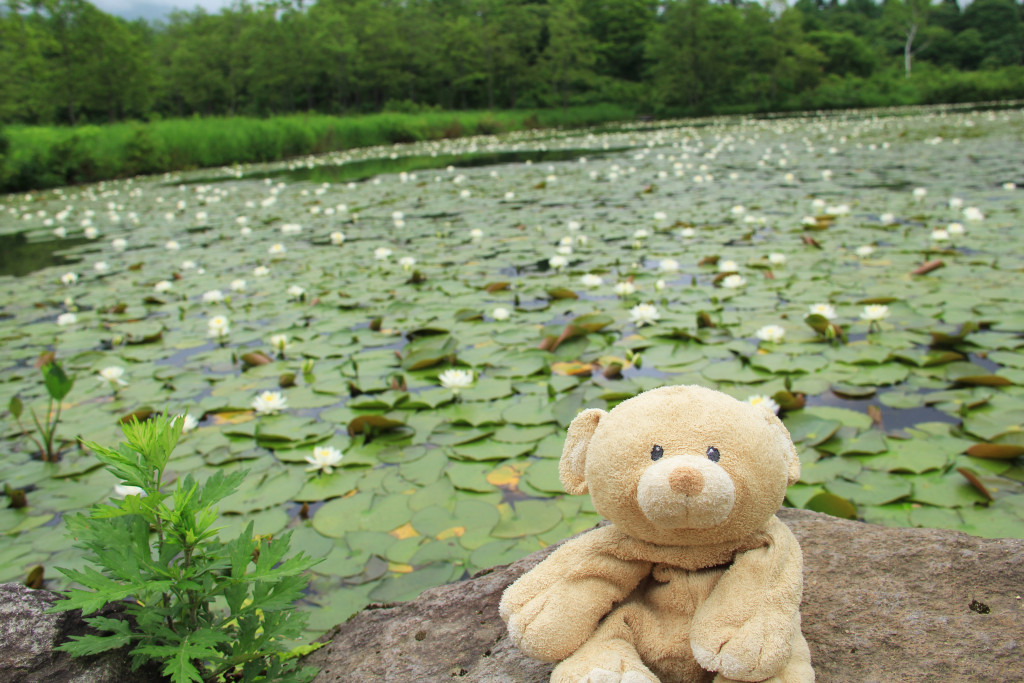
679	252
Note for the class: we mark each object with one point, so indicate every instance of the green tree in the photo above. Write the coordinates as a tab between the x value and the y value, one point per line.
568	60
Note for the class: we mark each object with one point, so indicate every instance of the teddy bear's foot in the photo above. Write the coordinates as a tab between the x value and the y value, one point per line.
797	669
605	676
605	661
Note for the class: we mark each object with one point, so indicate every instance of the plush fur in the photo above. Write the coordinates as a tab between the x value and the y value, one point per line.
695	580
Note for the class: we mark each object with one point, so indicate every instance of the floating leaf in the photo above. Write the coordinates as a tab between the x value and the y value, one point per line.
993	451
832	504
365	424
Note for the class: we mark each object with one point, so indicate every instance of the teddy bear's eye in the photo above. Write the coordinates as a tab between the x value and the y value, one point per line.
713	454
657	452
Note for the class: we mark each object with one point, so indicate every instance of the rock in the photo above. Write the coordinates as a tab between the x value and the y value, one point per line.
880	604
28	636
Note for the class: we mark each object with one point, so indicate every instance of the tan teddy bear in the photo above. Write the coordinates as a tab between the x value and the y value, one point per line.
695	579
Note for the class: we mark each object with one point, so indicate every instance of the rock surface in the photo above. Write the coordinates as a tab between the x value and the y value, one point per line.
880	604
28	636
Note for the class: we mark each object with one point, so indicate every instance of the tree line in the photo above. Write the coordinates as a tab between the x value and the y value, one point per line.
67	62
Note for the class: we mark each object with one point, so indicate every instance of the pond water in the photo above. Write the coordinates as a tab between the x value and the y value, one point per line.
613	262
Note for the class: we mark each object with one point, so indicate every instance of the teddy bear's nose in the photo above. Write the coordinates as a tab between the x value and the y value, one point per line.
686	480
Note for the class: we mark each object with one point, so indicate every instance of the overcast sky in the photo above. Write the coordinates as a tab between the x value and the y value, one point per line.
155	9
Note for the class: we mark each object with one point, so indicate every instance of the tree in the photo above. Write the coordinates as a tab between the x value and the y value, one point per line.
908	17
567	62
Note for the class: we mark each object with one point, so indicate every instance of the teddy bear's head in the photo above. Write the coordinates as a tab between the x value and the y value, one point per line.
681	465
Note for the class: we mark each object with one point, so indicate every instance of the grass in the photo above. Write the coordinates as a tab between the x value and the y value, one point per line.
40	157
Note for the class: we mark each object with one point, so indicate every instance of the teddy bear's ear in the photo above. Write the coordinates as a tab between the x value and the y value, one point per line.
574	454
786	441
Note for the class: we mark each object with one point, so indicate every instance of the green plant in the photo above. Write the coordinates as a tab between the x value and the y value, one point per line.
58	384
205	610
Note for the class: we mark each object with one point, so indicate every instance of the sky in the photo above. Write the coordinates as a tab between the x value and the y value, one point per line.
155	9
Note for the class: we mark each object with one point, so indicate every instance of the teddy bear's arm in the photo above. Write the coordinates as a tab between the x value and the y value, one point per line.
554	608
744	629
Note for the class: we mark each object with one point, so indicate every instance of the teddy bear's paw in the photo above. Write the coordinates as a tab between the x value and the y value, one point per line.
735	662
599	675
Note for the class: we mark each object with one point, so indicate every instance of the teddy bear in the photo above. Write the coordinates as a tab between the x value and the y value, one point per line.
695	579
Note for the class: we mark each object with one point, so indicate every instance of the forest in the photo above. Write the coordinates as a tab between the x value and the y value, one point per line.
67	62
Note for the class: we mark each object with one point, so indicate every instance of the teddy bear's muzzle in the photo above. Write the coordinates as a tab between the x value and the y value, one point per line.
686	492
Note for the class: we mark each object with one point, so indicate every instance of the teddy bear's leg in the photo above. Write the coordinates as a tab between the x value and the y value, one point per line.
609	656
797	669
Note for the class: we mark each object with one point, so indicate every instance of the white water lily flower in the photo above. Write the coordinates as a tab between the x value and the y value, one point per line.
125	490
887	219
277	248
112	375
296	292
279	342
337	238
875	312
591	280
500	313
476	234
564	249
190	422
245	231
738	210
163	286
237	285
640	234
920	193
324	459
973	213
214	296
407	262
261	271
456	379
955	203
558	261
269	402
91	233
218	326
1009	186
625	288
510	195
644	314
101	266
940	235
762	400
771	333
687	232
865	250
668	265
733	281
955	228
171	245
826	311
119	244
660	216
381	253
727	266
826	174
59	232
65	319
291	229
660	285
69	278
201	216
776	258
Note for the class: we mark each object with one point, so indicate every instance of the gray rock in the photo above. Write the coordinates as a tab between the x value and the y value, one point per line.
880	604
28	636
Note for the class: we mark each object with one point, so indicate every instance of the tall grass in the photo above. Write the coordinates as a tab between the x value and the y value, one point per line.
40	156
